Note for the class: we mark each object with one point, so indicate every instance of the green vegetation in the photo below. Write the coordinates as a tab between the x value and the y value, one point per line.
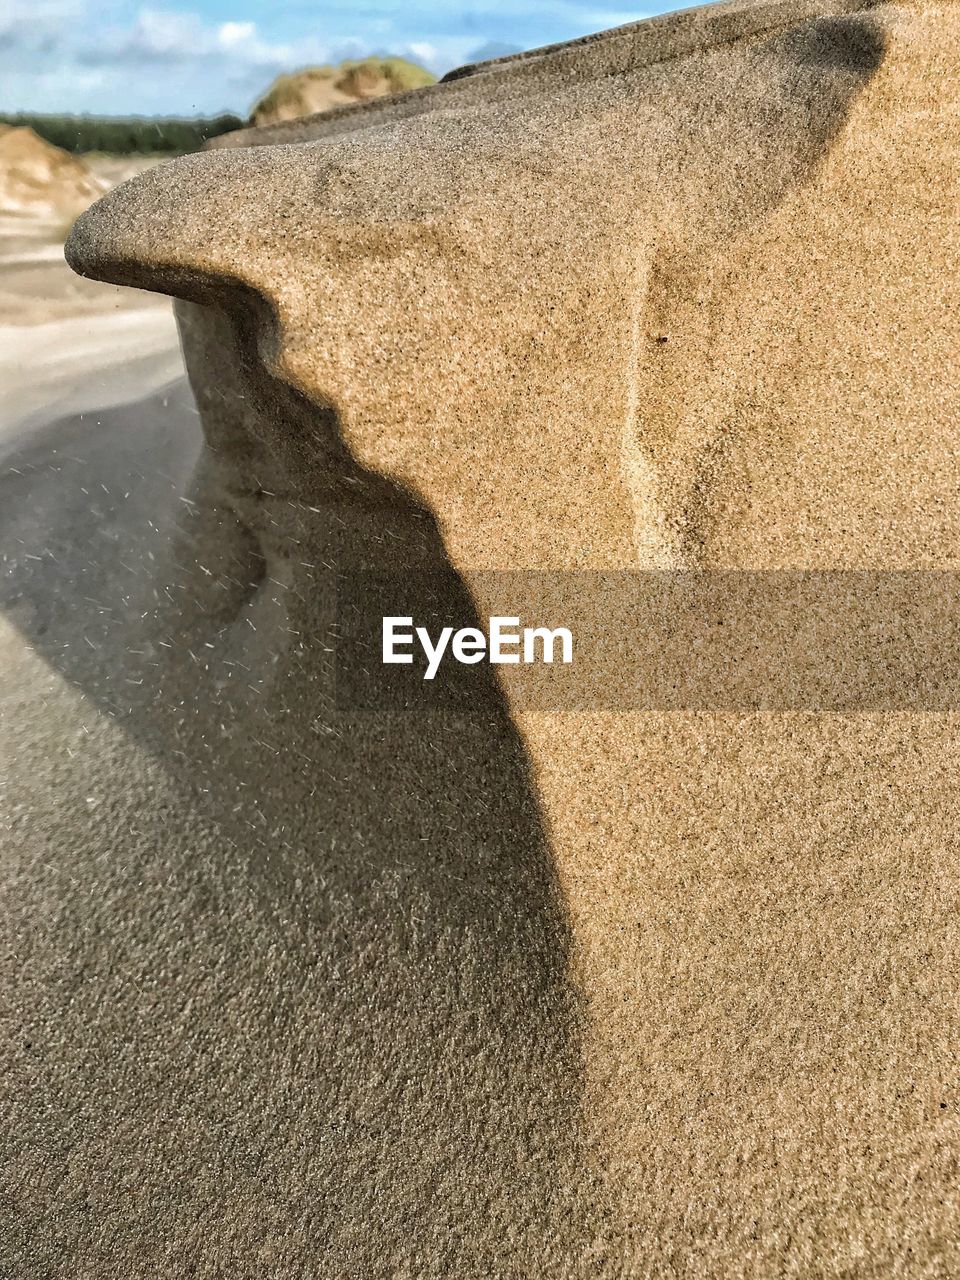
117	136
399	74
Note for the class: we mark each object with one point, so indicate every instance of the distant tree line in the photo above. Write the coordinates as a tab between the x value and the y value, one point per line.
138	135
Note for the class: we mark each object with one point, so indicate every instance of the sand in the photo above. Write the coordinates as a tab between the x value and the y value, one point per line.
69	345
37	178
319	89
295	988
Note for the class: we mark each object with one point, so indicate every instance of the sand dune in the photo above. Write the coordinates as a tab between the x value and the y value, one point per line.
39	178
298	987
320	89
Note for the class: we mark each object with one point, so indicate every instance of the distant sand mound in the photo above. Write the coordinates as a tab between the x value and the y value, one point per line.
39	178
315	89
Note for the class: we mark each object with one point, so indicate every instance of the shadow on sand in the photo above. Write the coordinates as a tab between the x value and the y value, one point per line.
407	1046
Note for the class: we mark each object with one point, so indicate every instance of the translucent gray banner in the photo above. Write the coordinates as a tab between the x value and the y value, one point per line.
846	640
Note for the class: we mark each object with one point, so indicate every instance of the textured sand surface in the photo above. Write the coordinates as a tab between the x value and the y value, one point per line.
292	990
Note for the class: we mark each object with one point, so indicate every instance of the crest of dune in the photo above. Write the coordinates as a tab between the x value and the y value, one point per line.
39	178
617	992
319	89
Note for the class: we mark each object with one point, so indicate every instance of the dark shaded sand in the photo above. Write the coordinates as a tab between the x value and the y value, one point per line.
291	991
243	920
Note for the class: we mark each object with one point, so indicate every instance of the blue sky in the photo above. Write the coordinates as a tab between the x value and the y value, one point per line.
117	57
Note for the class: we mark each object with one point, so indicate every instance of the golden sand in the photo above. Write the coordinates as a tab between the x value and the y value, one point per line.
518	994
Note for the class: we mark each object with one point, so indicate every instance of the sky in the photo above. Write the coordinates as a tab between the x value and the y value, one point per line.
115	57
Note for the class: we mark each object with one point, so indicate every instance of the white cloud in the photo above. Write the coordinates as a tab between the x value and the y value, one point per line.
69	55
177	36
424	52
233	33
161	34
17	14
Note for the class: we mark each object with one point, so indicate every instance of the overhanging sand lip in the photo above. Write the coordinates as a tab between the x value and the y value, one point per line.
186	228
698	133
138	234
634	45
